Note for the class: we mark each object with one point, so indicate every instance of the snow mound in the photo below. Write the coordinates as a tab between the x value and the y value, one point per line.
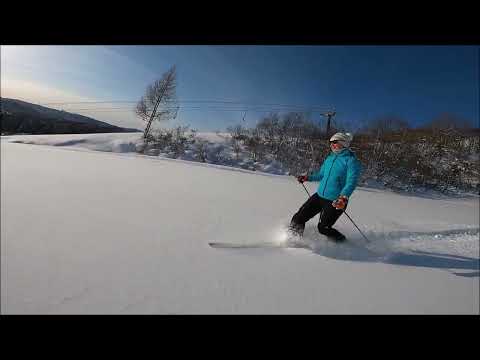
111	142
218	148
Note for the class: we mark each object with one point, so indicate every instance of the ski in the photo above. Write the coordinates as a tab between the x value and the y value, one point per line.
226	245
272	245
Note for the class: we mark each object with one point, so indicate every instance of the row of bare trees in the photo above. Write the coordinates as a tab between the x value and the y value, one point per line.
291	139
441	155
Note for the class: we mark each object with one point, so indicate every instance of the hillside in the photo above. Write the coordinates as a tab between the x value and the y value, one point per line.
23	117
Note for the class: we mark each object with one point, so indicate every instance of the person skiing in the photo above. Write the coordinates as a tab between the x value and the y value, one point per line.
338	177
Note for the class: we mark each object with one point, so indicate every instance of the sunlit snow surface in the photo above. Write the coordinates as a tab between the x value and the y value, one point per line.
88	230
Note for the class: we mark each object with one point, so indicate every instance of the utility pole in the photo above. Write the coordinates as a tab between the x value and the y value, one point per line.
329	116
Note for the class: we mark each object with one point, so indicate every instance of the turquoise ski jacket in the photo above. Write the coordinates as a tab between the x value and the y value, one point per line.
338	175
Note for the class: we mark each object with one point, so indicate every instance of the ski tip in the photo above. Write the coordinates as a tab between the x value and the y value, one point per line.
243	246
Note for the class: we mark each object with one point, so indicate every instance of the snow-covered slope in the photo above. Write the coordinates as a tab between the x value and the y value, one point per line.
96	232
218	146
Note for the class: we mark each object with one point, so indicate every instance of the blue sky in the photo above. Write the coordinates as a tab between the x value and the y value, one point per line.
416	83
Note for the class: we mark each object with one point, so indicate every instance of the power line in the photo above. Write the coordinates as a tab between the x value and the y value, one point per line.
206	109
87	102
316	107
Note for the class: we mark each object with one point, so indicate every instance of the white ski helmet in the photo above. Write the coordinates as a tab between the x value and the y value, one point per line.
344	138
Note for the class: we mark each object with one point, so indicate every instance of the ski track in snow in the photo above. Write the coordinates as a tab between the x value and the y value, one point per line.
64	301
449	249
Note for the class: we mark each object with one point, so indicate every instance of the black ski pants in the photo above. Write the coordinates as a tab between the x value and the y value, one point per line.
328	216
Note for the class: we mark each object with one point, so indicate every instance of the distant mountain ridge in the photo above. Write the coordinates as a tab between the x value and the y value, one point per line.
19	116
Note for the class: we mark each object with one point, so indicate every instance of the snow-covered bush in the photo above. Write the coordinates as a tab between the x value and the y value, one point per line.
395	156
171	141
422	158
200	150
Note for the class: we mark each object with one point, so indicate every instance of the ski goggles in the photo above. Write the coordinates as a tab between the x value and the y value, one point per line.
335	141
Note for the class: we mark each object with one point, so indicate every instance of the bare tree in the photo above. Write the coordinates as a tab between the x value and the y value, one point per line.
201	150
254	144
269	129
237	148
159	102
386	124
447	121
238	134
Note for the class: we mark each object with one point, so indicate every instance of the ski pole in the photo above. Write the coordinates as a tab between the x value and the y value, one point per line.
345	214
356	227
306	190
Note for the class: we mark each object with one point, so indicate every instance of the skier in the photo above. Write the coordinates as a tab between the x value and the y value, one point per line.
338	177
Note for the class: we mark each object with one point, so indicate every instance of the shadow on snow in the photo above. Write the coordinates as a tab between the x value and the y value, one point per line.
381	249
